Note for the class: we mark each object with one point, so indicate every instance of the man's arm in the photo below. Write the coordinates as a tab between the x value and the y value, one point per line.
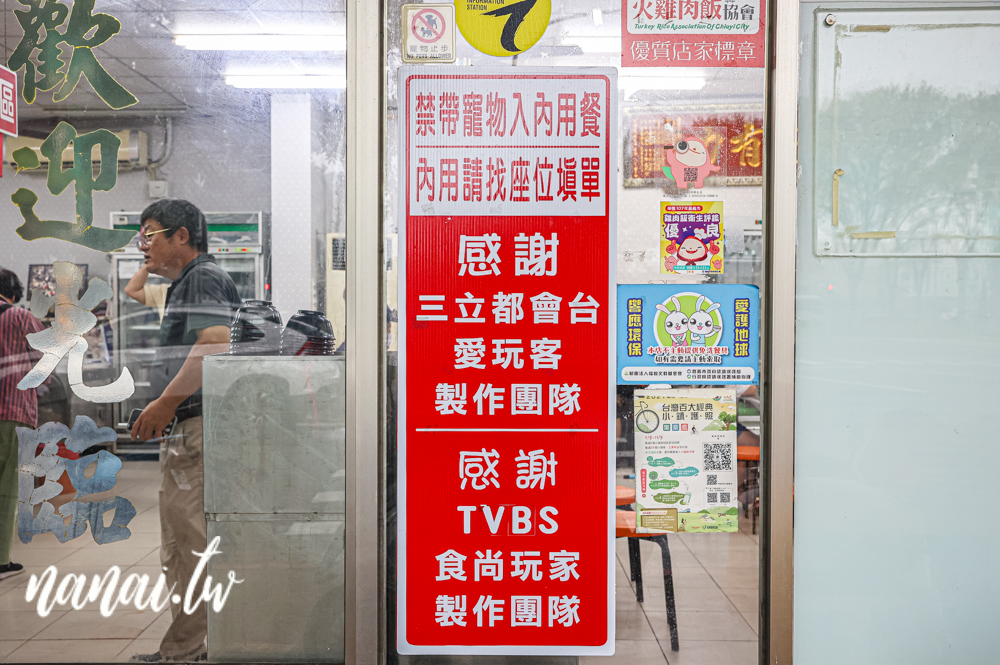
134	289
160	411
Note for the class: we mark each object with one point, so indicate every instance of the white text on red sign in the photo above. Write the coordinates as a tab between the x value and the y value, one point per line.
507	147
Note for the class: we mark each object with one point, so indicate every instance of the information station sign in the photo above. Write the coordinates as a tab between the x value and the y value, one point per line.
506	356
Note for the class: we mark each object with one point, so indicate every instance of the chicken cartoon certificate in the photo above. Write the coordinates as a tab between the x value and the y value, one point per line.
688	334
691	238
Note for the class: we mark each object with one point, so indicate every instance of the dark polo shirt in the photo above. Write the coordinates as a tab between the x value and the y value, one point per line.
202	296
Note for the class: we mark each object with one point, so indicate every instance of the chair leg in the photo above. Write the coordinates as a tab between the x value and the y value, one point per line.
668	591
635	563
744	486
632	546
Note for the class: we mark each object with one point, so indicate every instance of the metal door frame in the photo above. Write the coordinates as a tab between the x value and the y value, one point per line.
780	198
365	102
362	599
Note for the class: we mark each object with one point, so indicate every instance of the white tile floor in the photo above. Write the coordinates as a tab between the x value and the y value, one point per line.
715	582
715	590
85	635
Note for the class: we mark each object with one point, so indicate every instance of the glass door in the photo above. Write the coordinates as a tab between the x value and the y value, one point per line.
217	130
245	274
895	336
686	572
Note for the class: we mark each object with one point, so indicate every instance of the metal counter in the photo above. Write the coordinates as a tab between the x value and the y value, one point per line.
274	494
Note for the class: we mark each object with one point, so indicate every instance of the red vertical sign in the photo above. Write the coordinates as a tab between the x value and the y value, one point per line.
8	102
506	360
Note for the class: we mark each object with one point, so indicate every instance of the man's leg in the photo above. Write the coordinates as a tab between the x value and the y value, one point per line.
168	544
8	487
182	519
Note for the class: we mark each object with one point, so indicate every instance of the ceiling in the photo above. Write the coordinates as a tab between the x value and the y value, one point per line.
170	79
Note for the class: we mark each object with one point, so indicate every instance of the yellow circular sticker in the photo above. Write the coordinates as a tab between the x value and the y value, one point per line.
502	27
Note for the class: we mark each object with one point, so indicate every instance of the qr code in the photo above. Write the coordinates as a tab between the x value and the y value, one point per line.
718	457
711	479
723	497
711	497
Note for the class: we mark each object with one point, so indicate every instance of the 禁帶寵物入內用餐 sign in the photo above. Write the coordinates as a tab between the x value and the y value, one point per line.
688	334
507	303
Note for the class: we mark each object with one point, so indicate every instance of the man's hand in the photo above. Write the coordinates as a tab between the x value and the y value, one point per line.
153	419
159	413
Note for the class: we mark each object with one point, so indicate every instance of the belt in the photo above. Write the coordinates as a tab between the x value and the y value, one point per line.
190	411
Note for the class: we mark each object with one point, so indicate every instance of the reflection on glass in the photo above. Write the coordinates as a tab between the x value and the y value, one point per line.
923	178
904	104
186	103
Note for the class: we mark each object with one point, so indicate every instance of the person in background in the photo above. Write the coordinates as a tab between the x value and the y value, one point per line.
200	304
154	295
18	408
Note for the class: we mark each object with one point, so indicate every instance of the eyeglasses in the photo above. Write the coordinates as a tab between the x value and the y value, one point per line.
144	237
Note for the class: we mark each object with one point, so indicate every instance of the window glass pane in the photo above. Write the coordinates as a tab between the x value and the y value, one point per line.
928	270
707	575
175	212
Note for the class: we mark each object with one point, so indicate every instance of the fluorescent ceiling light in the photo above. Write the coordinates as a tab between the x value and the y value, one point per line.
284	81
632	85
262	42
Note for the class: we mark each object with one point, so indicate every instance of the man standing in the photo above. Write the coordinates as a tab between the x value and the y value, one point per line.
18	408
200	305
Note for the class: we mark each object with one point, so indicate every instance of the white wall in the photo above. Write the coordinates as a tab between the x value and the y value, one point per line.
219	163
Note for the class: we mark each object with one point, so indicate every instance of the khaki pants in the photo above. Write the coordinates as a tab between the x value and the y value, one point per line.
182	531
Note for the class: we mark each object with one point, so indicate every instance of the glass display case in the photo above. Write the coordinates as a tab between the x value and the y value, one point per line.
136	334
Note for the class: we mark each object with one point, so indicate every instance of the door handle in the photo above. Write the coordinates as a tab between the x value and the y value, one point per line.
873	235
836	196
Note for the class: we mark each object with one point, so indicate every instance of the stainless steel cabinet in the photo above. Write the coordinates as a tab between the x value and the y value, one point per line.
274	495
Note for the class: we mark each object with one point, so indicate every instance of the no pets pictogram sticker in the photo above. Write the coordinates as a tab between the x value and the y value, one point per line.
428	25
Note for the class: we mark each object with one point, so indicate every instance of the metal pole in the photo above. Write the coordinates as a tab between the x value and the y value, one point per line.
364	328
779	335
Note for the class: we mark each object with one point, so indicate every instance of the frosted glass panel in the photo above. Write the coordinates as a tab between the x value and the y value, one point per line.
906	117
897	352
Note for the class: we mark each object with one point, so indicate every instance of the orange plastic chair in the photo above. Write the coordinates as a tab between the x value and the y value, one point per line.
750	454
624	496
